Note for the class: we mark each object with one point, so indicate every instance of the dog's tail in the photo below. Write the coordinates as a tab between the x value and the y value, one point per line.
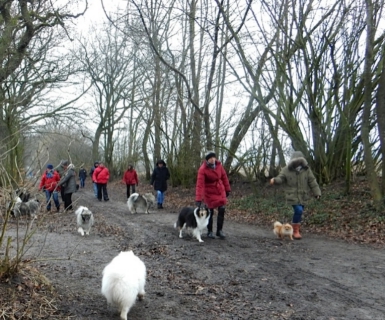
277	224
175	225
134	197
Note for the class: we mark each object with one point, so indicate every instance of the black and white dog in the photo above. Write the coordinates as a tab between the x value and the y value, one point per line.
84	220
140	201
196	219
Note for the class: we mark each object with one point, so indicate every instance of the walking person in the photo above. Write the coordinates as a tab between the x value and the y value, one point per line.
61	169
82	176
49	184
213	188
130	178
101	176
68	181
94	185
299	180
159	179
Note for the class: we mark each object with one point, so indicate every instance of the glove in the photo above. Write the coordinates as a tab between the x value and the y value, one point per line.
227	194
198	203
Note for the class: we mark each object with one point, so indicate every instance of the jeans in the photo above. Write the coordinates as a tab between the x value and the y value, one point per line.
95	189
298	210
128	189
82	182
160	196
52	195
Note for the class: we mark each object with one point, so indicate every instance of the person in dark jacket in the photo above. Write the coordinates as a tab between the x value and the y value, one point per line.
213	188
130	179
159	179
61	169
96	164
48	183
299	180
82	176
68	181
101	176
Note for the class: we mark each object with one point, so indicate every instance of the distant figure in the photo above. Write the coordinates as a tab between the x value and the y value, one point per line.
48	184
159	179
130	178
96	164
101	176
299	180
82	176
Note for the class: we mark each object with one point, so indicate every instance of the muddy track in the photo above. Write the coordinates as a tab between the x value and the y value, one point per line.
250	275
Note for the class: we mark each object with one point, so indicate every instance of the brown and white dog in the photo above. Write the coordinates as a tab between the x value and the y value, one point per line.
282	230
193	218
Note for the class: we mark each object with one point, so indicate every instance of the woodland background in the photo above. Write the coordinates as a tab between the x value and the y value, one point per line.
252	80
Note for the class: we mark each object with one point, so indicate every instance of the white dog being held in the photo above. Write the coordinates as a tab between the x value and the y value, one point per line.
123	281
196	219
84	219
140	201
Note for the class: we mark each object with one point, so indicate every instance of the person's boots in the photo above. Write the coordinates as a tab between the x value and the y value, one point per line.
210	233
220	220
296	234
159	206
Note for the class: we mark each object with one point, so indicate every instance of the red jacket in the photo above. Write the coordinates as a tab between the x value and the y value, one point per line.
130	177
101	175
212	185
50	183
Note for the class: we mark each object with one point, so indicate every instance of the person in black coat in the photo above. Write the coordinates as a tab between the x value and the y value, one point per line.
82	176
159	179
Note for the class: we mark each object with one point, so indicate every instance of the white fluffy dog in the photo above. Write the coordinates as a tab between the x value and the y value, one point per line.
84	220
140	201
123	281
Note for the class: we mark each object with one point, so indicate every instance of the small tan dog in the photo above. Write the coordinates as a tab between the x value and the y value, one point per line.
282	230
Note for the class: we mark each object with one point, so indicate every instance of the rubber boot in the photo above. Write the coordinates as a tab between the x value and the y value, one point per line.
210	225
296	234
220	220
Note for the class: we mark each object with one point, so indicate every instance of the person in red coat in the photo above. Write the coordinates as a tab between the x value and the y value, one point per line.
101	176
130	178
213	188
48	183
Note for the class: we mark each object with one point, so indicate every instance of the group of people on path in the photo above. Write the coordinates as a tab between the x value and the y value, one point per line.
212	186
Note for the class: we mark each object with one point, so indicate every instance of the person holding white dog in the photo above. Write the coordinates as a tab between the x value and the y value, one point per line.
299	180
213	188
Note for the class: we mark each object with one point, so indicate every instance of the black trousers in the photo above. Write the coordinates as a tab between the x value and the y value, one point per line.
128	189
68	201
220	219
102	191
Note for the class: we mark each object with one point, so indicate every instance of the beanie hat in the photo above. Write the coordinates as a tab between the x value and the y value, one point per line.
96	163
64	162
210	154
296	154
49	166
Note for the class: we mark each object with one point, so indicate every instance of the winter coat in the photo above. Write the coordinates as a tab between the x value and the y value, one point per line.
101	175
68	181
82	173
212	185
299	180
159	178
130	177
60	170
49	180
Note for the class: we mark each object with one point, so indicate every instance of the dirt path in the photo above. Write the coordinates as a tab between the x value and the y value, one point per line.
250	275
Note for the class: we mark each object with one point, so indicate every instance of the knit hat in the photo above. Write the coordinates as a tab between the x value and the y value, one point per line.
96	163
297	154
64	162
49	166
210	154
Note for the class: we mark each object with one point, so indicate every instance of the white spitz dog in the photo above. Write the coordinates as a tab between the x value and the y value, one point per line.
84	220
140	201
123	281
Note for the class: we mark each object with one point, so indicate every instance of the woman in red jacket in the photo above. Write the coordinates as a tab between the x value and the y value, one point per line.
48	183
130	178
213	188
101	176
